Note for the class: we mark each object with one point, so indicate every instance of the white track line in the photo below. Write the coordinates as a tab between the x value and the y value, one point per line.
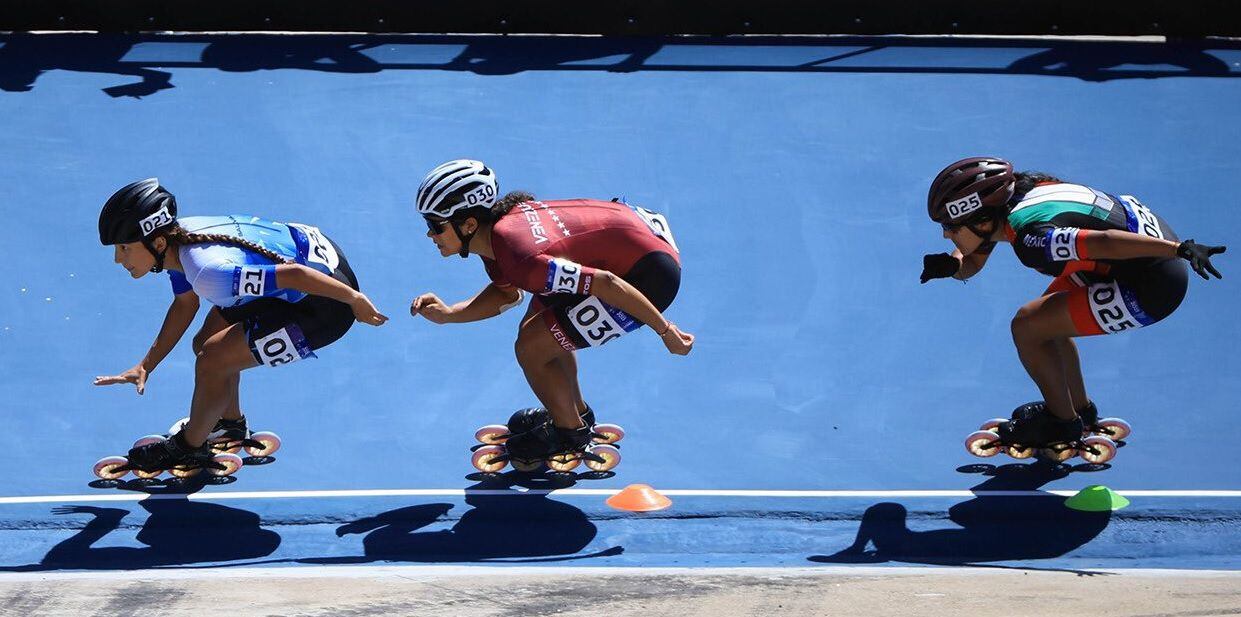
448	492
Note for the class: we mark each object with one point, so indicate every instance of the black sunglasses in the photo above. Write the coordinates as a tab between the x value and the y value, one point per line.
435	225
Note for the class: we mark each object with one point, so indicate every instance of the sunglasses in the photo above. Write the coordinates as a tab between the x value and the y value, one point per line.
435	225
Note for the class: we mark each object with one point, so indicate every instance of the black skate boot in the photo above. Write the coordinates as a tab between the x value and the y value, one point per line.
1089	415
1040	430
171	453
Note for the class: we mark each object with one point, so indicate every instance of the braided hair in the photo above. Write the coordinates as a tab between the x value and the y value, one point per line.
179	236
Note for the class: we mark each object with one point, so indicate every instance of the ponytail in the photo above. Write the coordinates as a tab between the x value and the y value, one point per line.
179	236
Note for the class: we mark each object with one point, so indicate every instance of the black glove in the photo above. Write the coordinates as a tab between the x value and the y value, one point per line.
1199	257
939	266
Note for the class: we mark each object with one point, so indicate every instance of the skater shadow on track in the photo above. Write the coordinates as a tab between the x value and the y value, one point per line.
177	532
502	526
992	527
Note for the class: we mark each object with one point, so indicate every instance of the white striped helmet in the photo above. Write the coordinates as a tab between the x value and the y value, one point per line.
457	185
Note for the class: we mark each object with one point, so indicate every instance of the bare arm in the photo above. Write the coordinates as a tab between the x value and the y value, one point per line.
617	292
488	303
315	283
970	264
180	314
1114	244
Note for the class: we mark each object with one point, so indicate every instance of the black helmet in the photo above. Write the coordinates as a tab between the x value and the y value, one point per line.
136	212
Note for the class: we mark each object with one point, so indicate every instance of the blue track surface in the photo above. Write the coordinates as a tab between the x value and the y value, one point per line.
794	174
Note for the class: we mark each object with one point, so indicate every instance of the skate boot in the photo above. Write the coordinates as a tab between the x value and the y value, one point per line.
231	435
527	419
1031	430
1115	429
602	433
528	450
155	454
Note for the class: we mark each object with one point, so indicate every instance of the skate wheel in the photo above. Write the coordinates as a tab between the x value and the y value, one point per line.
527	466
992	424
1114	429
185	472
107	467
492	434
610	454
271	442
231	463
608	433
147	475
485	459
1097	450
149	439
1058	454
982	443
564	462
226	446
1018	451
177	426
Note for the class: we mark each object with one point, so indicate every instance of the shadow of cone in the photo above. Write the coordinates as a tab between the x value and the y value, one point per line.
638	498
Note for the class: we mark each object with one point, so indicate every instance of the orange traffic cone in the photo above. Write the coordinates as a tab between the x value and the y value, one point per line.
639	498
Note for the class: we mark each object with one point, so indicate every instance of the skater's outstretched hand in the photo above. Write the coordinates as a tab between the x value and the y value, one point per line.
677	342
366	312
431	307
136	375
938	266
1199	257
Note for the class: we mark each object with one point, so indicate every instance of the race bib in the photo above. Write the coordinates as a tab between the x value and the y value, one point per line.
599	323
318	249
1141	219
283	346
1114	308
155	221
963	206
250	281
658	225
565	277
1062	244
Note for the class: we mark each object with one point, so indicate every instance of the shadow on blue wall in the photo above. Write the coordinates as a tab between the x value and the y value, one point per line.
992	528
24	57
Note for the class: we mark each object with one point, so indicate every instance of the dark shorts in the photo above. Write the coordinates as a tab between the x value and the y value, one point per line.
1129	294
280	332
580	321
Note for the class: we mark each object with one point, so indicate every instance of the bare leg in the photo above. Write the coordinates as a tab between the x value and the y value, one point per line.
568	364
544	362
214	323
1067	350
222	357
1038	328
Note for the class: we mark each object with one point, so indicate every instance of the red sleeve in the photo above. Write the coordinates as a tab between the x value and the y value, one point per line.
544	274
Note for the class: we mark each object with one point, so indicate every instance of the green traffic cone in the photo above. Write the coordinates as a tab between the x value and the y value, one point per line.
1096	498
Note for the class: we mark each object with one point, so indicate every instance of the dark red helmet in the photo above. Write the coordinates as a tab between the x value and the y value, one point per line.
970	190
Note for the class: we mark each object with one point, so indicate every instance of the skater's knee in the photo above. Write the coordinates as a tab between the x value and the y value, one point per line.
211	357
198	341
531	348
1024	325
